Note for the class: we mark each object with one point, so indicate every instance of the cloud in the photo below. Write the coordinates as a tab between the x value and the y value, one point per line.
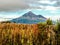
50	8
3	19
47	2
12	5
53	17
6	17
15	5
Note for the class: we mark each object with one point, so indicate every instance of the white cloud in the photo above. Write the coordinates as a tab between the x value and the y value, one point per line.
4	19
53	17
47	2
42	7
50	8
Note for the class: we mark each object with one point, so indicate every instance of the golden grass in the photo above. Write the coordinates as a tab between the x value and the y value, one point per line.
23	34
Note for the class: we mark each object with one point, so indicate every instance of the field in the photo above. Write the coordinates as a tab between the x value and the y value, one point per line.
28	34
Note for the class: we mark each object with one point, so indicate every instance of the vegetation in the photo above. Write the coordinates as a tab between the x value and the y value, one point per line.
49	22
5	22
30	34
57	31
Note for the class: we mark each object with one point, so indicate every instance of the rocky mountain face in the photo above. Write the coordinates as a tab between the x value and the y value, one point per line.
29	18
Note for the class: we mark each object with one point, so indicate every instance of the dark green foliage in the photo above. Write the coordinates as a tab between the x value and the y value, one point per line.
58	32
5	22
58	26
41	25
49	22
42	35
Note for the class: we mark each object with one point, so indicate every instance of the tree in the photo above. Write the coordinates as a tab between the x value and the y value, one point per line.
58	26
49	22
58	32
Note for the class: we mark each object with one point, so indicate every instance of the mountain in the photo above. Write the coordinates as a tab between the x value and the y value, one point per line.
29	18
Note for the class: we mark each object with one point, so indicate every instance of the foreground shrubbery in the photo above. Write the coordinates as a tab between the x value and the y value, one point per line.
30	34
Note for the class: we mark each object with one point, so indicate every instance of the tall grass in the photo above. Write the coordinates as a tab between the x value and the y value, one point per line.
27	34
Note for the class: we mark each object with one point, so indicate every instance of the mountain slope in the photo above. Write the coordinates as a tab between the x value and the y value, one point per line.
29	18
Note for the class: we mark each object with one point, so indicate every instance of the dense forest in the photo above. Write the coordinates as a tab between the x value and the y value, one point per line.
45	33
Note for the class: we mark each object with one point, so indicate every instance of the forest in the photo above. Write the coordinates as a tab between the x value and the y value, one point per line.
42	33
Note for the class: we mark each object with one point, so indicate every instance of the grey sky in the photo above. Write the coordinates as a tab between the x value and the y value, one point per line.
15	5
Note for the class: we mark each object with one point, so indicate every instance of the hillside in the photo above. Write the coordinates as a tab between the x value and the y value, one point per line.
29	18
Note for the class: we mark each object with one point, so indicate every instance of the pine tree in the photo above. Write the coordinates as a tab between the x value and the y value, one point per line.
49	22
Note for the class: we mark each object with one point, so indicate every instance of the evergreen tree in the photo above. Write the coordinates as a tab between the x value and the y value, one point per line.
49	22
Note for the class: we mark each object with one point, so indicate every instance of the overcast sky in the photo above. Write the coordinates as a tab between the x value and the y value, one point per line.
15	8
